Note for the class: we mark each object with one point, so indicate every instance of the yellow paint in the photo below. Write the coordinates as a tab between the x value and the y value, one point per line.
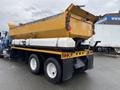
81	27
56	26
76	54
37	50
71	54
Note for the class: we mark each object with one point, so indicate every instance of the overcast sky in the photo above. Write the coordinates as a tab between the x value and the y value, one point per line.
21	11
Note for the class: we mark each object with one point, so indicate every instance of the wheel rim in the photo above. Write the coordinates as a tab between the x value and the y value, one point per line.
33	64
51	70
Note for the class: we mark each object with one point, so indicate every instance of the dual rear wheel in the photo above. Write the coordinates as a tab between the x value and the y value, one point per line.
51	68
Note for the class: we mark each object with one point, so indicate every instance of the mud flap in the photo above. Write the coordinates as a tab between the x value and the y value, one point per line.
90	62
67	69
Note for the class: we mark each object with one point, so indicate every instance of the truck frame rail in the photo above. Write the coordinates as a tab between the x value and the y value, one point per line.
63	55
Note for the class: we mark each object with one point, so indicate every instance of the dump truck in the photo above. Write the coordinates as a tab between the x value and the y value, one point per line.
53	45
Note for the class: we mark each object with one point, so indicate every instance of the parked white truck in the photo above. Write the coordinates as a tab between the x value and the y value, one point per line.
107	31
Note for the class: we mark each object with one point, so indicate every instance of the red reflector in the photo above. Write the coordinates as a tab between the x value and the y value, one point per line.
66	55
69	28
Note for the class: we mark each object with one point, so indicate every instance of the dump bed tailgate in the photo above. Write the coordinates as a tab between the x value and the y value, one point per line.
81	22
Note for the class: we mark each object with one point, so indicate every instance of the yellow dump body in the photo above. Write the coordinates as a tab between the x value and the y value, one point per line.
74	23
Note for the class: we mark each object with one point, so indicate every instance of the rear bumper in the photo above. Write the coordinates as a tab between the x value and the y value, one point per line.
68	55
68	66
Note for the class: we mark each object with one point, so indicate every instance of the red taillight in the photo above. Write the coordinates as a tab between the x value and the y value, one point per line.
68	26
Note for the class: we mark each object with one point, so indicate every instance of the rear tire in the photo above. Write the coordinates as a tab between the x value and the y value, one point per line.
52	70
35	64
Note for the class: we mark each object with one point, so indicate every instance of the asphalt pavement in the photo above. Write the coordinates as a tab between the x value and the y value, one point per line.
15	75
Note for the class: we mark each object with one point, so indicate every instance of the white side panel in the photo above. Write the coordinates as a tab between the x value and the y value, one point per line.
52	42
109	35
66	42
42	42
